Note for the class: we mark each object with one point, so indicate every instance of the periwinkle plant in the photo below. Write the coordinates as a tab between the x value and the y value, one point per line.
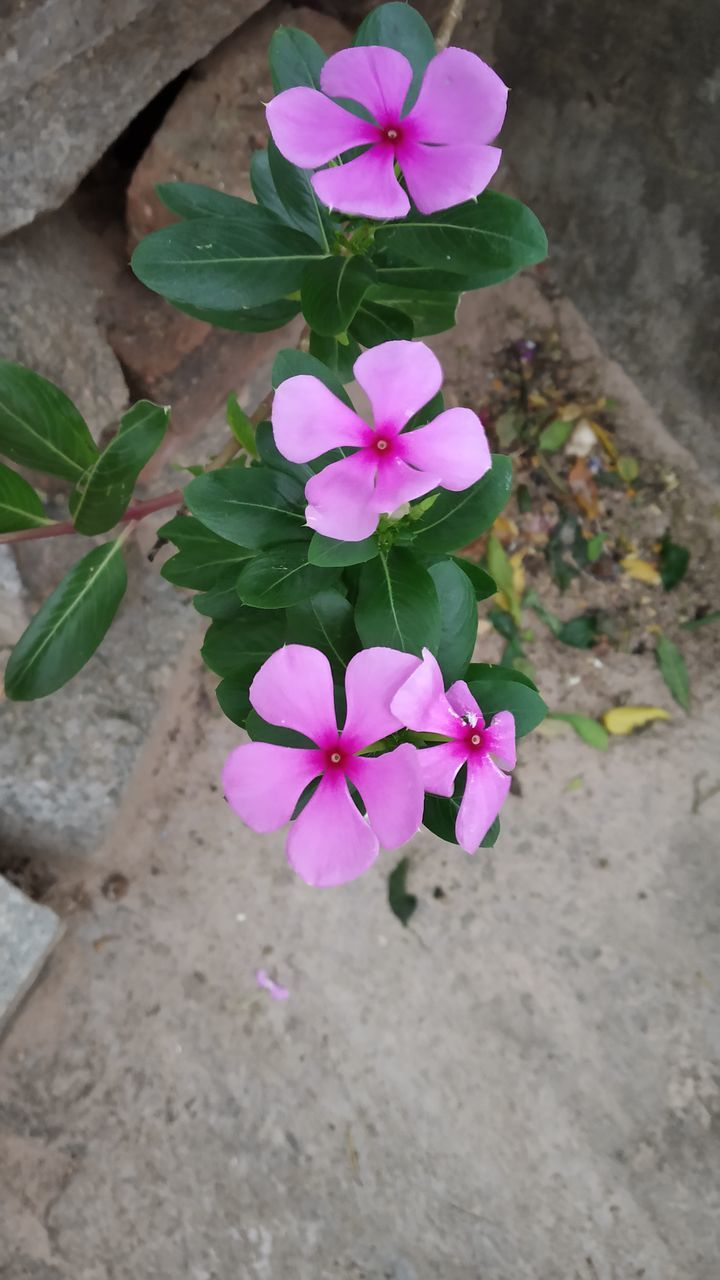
322	542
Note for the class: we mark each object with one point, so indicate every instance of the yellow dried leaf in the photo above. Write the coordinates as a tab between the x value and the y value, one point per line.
505	529
536	400
569	412
623	720
641	570
606	440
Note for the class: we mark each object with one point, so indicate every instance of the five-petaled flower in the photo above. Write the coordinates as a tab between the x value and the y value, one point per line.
423	705
440	144
329	842
388	466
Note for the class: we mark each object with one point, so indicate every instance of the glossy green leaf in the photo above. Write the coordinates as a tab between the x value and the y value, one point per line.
440	815
580	632
102	494
591	731
331	292
401	27
282	576
493	233
484	586
555	435
300	205
224	264
374	324
397	604
20	505
191	200
329	552
253	507
260	730
673	671
40	426
458	618
502	688
295	59
289	362
220	603
240	425
339	356
456	519
204	561
69	625
674	560
233	700
325	622
401	903
239	647
263	184
399	273
430	311
273	315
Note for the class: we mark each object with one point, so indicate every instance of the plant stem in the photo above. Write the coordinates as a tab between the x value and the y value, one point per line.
453	15
137	511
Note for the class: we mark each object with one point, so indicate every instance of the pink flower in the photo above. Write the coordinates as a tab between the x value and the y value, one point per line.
386	468
329	842
440	145
423	705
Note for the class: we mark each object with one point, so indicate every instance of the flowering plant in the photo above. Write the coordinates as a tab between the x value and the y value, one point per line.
322	542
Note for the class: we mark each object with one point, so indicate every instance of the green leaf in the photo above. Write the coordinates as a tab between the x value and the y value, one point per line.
397	604
253	507
262	731
239	647
493	233
595	546
374	324
295	59
221	603
331	552
281	576
628	468
331	292
69	625
440	815
40	427
224	264
398	272
233	700
297	197
289	362
430	312
580	632
555	435
674	560
204	561
102	494
339	356
673	671
591	731
273	315
702	621
191	200
458	518
502	688
501	571
458	618
325	622
401	27
20	506
401	903
263	184
240	425
483	584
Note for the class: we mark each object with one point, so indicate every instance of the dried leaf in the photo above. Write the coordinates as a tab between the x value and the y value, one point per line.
641	570
605	440
623	720
673	671
584	489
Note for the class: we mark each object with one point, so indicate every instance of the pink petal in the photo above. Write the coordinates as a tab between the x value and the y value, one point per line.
421	703
308	420
392	793
263	782
330	842
372	679
453	447
341	499
439	766
294	688
461	97
263	979
365	187
397	483
499	739
485	792
398	379
462	701
309	129
439	177
373	75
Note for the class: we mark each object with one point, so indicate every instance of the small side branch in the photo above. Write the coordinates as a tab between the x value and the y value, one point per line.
453	15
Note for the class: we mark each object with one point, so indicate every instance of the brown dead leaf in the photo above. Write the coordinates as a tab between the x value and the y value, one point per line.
584	489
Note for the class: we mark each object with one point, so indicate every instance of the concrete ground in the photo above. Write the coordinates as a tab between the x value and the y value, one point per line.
522	1085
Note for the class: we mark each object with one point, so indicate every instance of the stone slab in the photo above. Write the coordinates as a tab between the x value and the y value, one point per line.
28	933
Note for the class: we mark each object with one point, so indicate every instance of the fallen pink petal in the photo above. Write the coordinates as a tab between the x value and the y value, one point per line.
389	466
441	144
263	979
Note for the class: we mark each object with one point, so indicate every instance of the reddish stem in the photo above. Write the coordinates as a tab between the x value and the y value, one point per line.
137	511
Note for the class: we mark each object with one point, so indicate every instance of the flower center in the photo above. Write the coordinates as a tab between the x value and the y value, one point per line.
392	133
476	739
335	758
